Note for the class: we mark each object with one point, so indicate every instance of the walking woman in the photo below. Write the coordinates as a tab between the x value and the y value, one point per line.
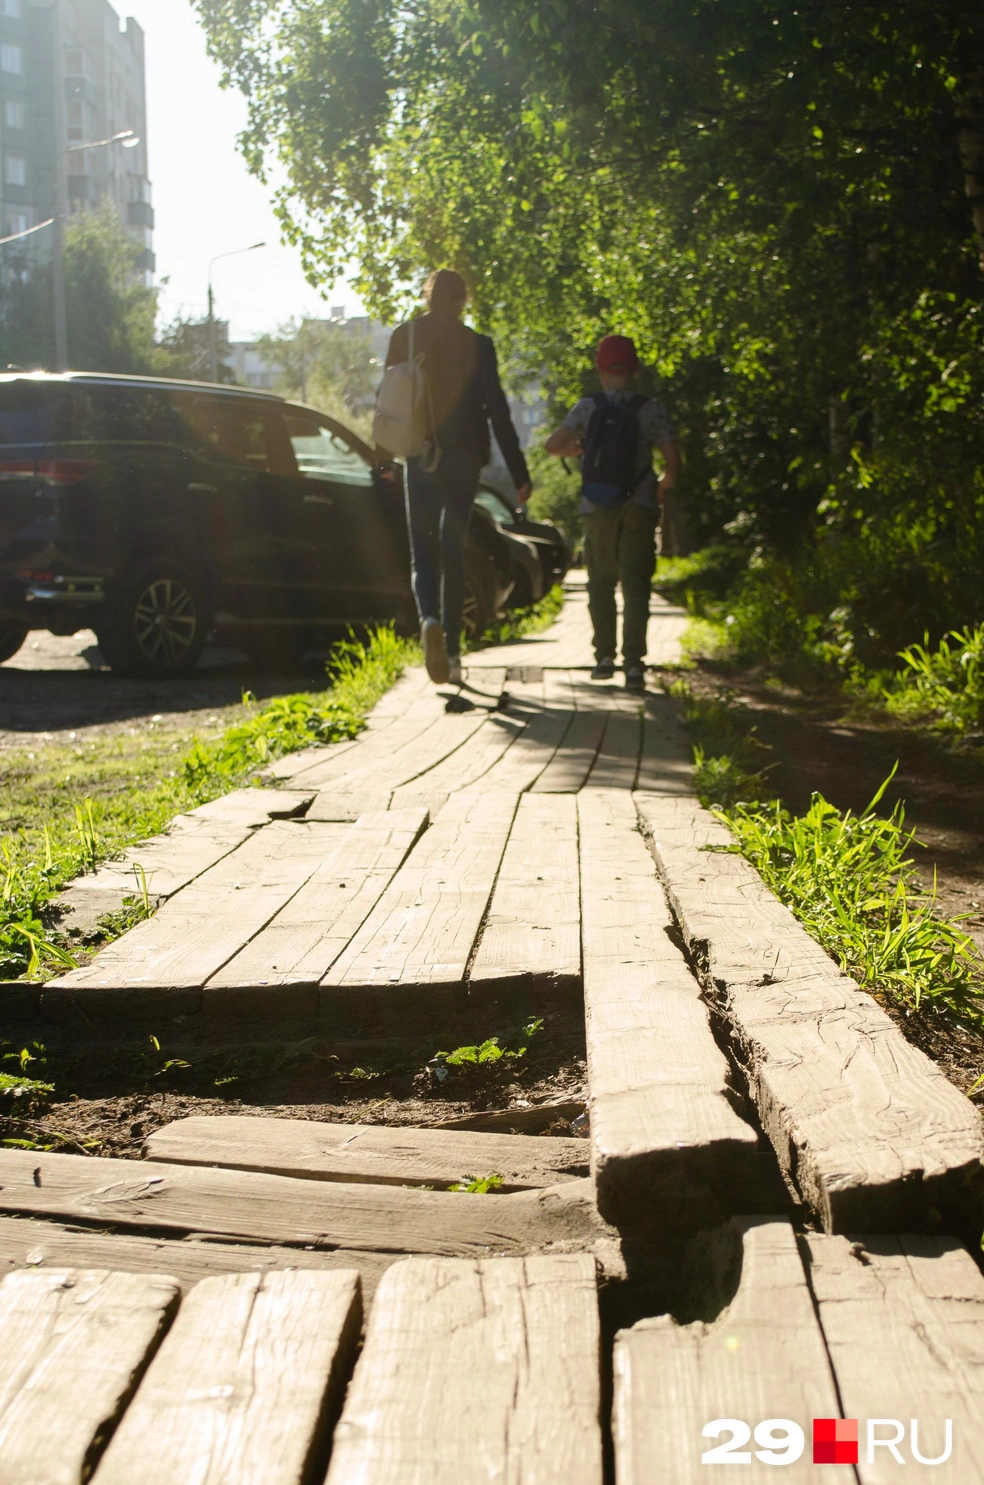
464	396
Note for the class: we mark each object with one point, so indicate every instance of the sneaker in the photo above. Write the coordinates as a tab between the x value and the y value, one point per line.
455	675
435	651
603	671
635	678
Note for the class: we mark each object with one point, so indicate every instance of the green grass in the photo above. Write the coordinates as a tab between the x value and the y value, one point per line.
522	621
942	687
68	807
850	879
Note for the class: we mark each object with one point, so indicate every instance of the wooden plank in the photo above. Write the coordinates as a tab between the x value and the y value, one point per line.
532	936
666	763
366	1152
532	751
421	932
192	843
75	1343
477	1371
159	967
539	1118
667	626
230	1204
763	1357
904	1322
617	762
867	1127
411	701
246	1387
568	770
422	738
666	1140
40	1243
466	768
567	642
278	971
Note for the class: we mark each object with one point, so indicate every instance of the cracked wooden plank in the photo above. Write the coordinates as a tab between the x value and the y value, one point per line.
477	1371
762	1357
188	1199
667	1143
366	1152
531	940
246	1386
866	1126
75	1344
904	1323
666	761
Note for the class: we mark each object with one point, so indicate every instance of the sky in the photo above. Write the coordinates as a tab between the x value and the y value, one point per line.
205	201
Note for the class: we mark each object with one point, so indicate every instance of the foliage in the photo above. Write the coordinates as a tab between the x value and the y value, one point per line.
473	1065
850	880
132	787
184	350
326	364
944	686
556	494
730	760
479	1185
110	312
521	621
773	202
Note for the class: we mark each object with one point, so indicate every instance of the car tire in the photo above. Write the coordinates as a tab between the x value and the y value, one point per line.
10	642
158	620
480	590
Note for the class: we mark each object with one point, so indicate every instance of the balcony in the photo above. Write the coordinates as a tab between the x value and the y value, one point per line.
147	262
139	214
82	188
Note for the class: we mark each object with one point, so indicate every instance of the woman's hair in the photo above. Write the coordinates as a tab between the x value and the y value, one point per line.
445	289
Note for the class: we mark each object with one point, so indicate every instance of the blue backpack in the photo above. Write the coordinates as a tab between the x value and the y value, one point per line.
609	464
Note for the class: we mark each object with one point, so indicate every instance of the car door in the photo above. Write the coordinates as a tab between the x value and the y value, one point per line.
356	565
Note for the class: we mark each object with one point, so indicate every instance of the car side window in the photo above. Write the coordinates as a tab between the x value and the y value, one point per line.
228	429
322	455
496	507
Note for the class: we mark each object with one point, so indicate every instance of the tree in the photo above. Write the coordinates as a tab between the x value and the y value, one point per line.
110	313
782	205
323	363
184	350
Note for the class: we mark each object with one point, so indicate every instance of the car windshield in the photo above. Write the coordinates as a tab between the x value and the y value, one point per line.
322	454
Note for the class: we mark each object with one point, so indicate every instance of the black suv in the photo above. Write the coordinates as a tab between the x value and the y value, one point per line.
156	512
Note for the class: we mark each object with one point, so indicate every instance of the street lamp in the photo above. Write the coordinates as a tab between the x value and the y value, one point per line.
213	349
129	141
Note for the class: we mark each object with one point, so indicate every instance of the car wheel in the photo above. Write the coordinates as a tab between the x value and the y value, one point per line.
158	621
480	590
10	642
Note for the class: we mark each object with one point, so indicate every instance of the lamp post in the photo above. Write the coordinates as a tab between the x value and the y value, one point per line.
129	141
213	349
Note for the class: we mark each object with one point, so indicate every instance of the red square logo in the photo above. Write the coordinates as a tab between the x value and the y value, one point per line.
835	1441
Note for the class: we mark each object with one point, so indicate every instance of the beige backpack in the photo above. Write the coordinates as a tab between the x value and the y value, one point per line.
400	424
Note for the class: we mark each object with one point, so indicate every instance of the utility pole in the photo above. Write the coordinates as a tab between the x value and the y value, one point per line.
61	191
213	342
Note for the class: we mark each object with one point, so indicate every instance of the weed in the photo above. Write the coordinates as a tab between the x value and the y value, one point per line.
479	1185
945	686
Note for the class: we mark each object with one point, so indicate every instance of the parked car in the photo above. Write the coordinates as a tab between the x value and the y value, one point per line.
156	512
548	544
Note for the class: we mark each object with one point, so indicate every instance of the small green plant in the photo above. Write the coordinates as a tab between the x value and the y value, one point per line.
479	1185
945	686
88	839
521	621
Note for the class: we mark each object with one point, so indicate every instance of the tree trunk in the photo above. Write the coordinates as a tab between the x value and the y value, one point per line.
970	138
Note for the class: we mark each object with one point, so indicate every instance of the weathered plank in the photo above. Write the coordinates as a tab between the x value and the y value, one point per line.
538	1119
468	766
160	966
665	1138
401	752
763	1357
292	1212
667	626
531	938
278	971
408	709
41	1243
368	1153
567	642
421	932
666	762
477	1371
533	749
246	1387
568	769
75	1344
617	762
904	1323
192	843
870	1130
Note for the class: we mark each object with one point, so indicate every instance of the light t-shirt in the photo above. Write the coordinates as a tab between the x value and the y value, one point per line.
655	427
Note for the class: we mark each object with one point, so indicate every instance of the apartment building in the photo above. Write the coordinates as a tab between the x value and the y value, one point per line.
69	72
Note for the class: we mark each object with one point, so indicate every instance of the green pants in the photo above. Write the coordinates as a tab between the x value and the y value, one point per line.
620	547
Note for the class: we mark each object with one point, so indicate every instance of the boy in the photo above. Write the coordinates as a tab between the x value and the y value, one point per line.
620	538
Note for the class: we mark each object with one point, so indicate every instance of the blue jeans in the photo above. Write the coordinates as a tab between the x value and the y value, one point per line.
438	508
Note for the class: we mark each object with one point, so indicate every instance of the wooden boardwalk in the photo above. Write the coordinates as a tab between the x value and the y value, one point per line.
773	1195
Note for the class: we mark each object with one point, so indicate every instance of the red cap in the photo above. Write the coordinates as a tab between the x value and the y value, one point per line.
617	350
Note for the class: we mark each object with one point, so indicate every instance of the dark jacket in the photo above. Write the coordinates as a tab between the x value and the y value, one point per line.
463	376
